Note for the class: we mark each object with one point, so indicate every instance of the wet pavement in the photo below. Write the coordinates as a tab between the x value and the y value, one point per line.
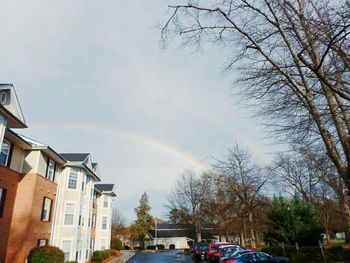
172	256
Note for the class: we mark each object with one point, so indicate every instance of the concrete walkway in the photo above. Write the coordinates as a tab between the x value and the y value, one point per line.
124	257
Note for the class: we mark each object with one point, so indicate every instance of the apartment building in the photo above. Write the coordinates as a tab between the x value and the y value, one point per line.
46	198
104	200
73	213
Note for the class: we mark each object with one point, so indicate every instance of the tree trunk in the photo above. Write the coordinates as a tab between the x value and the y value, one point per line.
242	238
251	226
345	212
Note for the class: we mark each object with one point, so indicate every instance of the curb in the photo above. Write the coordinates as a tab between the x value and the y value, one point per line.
124	260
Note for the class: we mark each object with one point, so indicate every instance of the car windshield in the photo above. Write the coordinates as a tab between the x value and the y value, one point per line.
237	254
230	250
215	248
203	247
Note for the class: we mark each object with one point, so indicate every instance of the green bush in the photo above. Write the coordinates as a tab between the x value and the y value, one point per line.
71	261
172	246
100	255
160	246
46	254
304	258
151	247
187	251
117	244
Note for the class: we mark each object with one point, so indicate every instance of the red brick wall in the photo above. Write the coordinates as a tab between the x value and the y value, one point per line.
9	180
27	227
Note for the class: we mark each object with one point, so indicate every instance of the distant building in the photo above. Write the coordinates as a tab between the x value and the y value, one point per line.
181	235
47	198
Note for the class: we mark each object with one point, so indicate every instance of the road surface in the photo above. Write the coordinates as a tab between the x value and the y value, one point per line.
172	256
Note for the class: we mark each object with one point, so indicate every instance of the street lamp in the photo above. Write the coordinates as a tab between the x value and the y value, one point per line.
155	232
294	232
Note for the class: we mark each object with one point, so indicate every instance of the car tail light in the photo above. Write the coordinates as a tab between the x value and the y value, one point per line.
229	260
217	254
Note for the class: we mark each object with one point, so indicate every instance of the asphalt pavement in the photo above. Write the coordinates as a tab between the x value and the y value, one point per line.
171	256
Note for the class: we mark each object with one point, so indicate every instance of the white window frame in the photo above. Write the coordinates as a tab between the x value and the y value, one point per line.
67	214
73	179
67	251
42	242
46	209
105	201
51	170
6	149
104	225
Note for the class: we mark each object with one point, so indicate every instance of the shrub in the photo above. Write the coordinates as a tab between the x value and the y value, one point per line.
100	255
151	247
46	254
117	244
160	246
172	246
187	251
71	261
138	248
335	253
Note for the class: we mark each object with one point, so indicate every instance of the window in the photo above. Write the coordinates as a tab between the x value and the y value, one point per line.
5	153
69	214
50	171
103	244
104	222
2	200
105	201
42	242
93	220
46	209
73	178
66	246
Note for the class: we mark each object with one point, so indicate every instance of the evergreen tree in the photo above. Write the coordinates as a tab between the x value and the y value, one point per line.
144	220
291	221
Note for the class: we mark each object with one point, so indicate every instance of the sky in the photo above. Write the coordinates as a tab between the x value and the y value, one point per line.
91	77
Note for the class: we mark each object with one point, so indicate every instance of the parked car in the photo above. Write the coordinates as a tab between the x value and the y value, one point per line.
233	255
226	250
214	249
201	251
193	247
257	257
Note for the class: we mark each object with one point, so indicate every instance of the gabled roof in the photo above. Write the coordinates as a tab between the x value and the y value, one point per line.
75	157
106	188
81	160
10	107
31	144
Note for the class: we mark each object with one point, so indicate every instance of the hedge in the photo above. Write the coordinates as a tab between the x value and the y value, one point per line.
310	254
160	246
46	254
172	246
100	255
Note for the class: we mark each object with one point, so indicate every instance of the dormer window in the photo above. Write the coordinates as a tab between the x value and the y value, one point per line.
50	171
5	153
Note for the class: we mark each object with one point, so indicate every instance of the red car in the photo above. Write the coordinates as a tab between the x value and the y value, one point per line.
214	249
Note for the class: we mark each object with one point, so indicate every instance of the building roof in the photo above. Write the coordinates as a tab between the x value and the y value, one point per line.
75	157
10	107
180	230
35	145
106	188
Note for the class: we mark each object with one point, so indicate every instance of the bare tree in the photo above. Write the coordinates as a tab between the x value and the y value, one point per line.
293	57
187	197
244	181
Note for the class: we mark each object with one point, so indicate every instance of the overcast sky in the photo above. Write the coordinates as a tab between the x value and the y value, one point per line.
91	77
